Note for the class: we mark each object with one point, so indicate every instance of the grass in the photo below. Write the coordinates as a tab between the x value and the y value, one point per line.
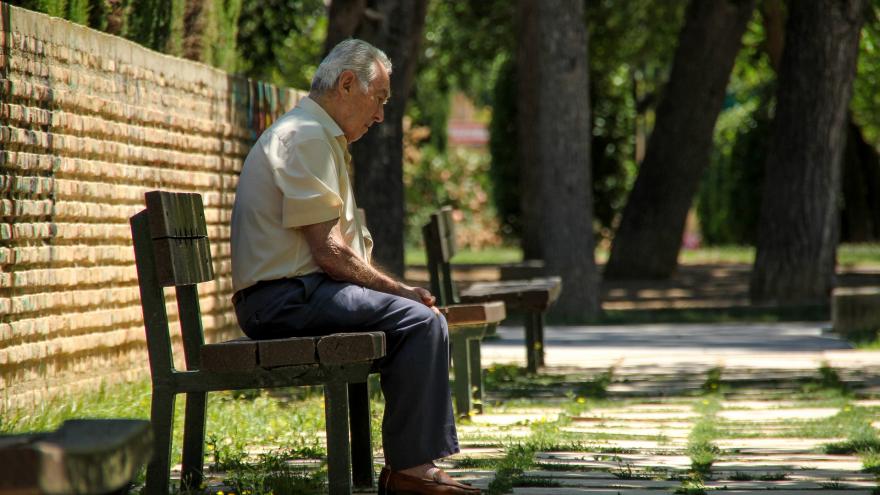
490	255
848	255
283	424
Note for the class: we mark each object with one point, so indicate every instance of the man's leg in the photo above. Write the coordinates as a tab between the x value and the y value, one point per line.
418	426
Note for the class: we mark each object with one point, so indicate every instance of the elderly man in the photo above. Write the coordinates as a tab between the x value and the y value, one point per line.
301	263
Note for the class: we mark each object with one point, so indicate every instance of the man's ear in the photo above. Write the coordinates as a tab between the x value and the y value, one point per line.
347	80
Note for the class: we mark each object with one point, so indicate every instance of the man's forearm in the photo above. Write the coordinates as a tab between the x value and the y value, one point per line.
347	266
340	262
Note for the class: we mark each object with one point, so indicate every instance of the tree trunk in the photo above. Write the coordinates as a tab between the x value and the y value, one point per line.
345	17
396	27
555	146
647	243
860	215
799	224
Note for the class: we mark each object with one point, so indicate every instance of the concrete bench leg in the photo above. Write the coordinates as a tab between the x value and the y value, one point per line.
461	361
338	447
162	421
193	441
534	340
361	444
476	375
539	334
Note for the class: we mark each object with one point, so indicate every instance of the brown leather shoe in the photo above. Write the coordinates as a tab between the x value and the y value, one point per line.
394	483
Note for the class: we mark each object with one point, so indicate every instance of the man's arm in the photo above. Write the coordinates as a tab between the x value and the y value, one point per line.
340	262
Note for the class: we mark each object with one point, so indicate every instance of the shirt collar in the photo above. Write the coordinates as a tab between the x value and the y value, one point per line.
321	115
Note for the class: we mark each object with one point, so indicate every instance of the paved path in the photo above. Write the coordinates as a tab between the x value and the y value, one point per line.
773	427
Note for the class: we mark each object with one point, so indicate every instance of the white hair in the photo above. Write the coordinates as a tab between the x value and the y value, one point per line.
352	54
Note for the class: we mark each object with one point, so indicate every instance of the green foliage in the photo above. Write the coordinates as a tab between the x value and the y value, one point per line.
628	66
504	171
157	24
729	199
866	98
457	177
221	29
280	41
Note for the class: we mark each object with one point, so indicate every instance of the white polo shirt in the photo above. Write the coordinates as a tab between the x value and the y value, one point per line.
296	174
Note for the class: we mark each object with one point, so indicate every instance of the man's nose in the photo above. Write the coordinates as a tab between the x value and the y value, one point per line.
379	116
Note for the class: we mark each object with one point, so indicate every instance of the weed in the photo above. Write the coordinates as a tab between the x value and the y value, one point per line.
712	384
596	387
516	460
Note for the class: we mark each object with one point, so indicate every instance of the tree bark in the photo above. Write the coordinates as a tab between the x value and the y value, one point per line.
799	223
860	215
396	27
554	125
648	240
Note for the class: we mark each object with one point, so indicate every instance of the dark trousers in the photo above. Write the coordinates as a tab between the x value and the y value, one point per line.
418	426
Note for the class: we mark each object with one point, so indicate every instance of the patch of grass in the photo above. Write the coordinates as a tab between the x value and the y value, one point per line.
560	466
712	384
691	487
700	448
509	469
536	481
488	255
473	463
596	387
869	342
625	471
273	473
858	255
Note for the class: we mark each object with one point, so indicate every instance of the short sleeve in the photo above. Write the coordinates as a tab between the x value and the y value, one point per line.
309	181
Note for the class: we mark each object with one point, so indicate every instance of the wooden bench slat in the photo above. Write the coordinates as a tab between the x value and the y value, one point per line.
82	456
343	348
178	215
233	355
287	352
183	261
474	314
539	293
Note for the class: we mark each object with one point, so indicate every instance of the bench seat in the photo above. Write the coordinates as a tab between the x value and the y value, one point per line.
82	456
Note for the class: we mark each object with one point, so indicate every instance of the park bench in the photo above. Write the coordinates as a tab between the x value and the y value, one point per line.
532	296
83	456
172	250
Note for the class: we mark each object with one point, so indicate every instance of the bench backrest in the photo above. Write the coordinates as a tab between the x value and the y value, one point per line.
171	250
439	236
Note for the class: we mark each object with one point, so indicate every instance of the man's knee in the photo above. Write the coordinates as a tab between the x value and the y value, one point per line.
429	321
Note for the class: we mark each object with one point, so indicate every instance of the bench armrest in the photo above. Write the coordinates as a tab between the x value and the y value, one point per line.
474	314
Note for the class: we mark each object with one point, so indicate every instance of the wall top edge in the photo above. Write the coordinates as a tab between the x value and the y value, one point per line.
65	33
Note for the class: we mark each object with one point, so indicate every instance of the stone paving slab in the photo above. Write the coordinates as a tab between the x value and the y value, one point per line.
770	445
778	414
674	434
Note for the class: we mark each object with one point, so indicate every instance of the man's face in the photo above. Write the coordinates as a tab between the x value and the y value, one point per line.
363	109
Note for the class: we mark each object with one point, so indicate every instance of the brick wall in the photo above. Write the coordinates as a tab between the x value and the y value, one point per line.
88	123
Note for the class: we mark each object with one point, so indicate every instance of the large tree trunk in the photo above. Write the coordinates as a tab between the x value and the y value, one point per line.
554	124
396	27
648	240
799	225
860	215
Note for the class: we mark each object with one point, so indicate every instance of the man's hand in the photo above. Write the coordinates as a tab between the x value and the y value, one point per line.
421	295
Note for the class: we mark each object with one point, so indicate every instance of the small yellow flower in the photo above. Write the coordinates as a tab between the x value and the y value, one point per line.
705	402
581	400
219	492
